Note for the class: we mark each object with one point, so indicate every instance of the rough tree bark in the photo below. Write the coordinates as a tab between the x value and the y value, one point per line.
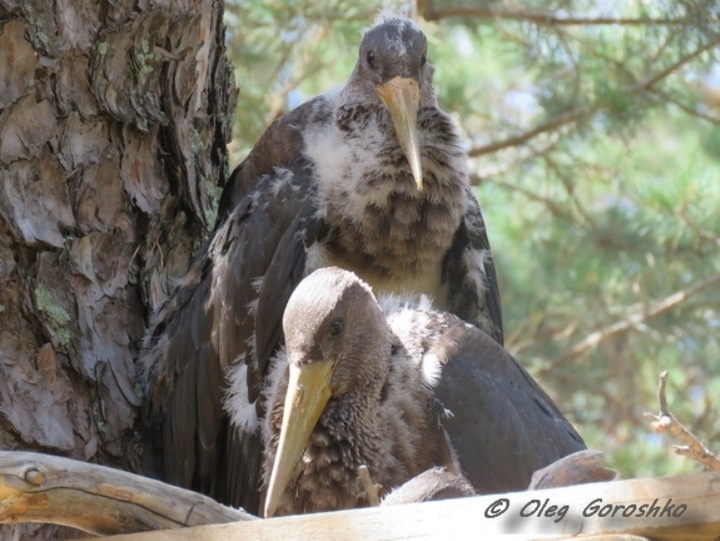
113	122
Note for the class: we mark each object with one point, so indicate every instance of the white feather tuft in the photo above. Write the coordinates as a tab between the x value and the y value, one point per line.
431	369
391	302
252	306
316	258
257	283
242	412
400	13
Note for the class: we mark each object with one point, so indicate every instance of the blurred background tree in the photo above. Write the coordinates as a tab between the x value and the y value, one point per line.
595	141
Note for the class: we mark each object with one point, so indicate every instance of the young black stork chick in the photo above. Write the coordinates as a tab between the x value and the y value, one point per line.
369	386
371	178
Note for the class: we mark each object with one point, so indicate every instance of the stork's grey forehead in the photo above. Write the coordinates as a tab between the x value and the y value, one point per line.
320	294
397	35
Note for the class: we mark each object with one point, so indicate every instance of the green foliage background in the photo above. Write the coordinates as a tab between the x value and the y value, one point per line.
596	156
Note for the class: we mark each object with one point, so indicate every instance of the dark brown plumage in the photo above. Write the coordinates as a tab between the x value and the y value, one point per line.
334	182
388	176
367	386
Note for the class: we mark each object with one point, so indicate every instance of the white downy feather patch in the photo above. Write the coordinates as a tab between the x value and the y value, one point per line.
406	315
316	258
345	167
431	369
390	302
237	403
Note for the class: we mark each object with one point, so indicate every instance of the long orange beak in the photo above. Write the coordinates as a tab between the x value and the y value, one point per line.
308	393
401	96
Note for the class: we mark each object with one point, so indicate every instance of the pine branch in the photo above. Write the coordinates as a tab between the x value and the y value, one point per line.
555	208
429	12
649	82
575	115
684	107
630	322
517	157
666	422
569	186
551	125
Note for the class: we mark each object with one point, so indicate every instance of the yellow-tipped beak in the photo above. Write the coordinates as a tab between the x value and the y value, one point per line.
401	96
308	393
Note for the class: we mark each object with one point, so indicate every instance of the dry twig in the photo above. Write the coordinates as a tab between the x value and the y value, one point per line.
371	489
666	422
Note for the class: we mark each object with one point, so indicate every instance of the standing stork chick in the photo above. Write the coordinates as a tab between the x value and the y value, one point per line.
371	178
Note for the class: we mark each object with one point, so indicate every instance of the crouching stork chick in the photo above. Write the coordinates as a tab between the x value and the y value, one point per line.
401	389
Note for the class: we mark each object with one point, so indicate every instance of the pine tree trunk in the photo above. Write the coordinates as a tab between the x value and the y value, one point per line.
113	122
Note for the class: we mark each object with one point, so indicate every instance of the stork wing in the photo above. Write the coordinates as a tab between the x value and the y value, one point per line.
279	146
230	322
469	271
503	426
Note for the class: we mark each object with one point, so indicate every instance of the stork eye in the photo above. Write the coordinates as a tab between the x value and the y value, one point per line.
336	327
370	57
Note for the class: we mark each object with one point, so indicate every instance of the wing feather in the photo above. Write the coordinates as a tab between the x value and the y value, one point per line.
469	271
504	426
213	329
279	146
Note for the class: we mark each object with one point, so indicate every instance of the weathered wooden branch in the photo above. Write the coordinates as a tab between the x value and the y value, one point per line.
42	488
575	469
668	508
667	422
101	500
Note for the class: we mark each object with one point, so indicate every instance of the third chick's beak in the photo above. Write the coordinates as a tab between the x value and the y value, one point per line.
307	395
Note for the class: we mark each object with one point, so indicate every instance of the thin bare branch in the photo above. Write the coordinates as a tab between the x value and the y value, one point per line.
431	13
706	236
552	124
684	107
308	68
649	82
557	210
520	156
662	397
632	321
666	422
569	186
